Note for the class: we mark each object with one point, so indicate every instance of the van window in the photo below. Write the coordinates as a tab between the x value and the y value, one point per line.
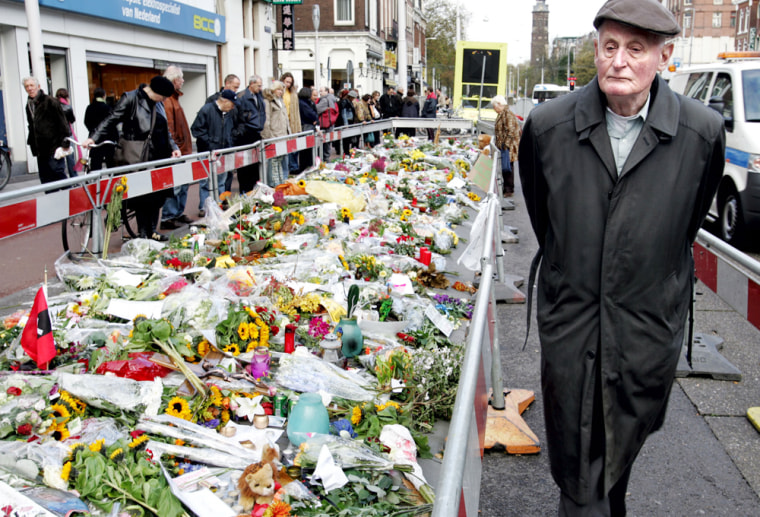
722	89
697	87
751	88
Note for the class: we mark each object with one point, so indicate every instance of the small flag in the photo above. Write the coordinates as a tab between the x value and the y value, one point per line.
37	337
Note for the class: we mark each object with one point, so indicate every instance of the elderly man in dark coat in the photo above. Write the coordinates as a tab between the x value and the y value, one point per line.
48	130
617	180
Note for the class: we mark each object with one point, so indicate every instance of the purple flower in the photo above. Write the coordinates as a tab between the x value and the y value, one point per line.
211	424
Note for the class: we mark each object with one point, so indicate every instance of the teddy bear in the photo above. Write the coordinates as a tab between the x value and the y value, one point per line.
258	483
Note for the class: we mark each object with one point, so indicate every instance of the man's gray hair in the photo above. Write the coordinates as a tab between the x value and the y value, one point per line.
30	78
254	78
173	72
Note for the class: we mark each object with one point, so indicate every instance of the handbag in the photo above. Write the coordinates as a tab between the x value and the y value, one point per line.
506	164
130	152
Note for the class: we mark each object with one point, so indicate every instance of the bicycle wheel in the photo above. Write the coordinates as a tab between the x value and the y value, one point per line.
128	219
76	234
5	168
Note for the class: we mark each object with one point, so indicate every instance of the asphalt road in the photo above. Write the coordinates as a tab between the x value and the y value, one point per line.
704	461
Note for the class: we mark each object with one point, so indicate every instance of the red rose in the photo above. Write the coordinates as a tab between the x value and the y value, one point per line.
24	429
13	390
268	408
274	330
136	433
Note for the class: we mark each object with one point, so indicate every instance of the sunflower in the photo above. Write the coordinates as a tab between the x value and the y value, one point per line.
137	442
179	407
407	212
75	449
251	346
233	349
216	396
66	471
243	331
204	347
302	184
60	411
253	331
61	432
139	318
97	446
117	455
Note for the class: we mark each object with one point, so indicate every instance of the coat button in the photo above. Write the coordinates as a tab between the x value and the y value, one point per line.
590	354
613	377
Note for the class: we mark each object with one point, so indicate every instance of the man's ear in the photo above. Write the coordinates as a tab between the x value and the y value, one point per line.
667	52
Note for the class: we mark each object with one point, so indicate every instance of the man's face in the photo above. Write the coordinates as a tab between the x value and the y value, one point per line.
233	85
225	104
31	88
178	82
627	60
322	91
314	96
255	86
391	91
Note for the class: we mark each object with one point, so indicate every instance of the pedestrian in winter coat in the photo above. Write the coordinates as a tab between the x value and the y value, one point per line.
96	113
327	101
617	178
410	109
507	134
309	122
48	130
290	99
389	104
73	166
212	127
252	115
429	110
277	124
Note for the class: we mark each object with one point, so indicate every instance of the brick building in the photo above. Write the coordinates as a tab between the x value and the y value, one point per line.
709	27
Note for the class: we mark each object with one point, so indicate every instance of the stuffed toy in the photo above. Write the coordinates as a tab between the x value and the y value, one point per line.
258	483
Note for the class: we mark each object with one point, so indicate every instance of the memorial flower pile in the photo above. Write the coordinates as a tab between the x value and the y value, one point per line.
156	345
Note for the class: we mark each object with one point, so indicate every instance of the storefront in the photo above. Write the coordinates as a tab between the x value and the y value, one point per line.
117	45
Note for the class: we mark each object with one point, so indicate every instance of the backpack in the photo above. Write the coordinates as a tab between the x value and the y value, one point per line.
329	116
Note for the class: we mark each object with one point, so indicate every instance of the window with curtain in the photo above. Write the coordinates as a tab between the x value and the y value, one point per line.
717	19
344	11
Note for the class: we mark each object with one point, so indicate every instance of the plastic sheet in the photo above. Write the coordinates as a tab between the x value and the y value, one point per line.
306	373
114	393
138	367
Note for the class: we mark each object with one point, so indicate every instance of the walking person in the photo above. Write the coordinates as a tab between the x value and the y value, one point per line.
277	124
290	99
48	130
250	122
507	133
97	112
617	178
173	213
429	110
143	119
72	159
212	127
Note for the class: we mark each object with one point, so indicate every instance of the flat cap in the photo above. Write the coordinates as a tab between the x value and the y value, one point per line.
648	15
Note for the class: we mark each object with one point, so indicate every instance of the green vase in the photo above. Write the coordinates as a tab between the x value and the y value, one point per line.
351	337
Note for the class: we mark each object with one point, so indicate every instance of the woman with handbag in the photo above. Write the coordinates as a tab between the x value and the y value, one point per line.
144	137
507	132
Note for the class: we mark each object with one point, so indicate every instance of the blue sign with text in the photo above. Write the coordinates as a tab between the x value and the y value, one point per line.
164	15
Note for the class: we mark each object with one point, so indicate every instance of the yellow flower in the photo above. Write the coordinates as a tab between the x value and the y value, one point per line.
277	209
97	445
233	349
356	415
179	407
60	411
302	184
61	432
277	225
407	212
139	441
66	471
253	331
204	347
243	331
277	509
225	416
216	396
76	449
117	455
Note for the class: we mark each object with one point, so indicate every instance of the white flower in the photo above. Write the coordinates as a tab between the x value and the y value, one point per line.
249	407
52	477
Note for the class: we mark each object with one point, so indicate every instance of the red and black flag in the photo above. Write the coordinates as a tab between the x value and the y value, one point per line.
37	337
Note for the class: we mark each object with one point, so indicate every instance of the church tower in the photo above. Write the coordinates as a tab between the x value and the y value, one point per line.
539	46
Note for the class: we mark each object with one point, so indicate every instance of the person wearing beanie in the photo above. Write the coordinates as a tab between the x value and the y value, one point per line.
617	179
141	113
95	113
212	127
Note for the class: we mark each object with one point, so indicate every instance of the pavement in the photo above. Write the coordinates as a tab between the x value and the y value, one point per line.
704	461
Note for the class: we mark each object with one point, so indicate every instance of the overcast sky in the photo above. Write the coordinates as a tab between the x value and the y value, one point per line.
511	21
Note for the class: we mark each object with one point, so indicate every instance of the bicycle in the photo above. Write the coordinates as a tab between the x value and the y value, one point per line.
5	164
77	230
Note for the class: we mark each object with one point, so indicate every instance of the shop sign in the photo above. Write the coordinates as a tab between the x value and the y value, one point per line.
288	31
163	15
390	59
286	2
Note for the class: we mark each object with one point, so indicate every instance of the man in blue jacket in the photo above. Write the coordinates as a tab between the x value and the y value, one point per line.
250	121
212	129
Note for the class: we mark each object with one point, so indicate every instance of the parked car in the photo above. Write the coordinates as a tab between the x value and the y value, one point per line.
732	87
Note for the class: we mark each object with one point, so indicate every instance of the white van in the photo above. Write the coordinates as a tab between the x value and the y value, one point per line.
732	87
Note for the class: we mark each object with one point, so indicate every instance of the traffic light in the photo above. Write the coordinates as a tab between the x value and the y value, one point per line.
571	79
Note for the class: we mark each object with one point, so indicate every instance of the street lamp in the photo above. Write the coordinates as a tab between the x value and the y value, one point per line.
315	19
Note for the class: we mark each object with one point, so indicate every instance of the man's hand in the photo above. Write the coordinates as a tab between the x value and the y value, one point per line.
89	142
176	153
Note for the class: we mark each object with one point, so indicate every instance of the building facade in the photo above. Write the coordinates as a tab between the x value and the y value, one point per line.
748	25
539	43
708	28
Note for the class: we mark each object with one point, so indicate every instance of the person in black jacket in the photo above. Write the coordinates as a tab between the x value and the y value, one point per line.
97	112
309	122
429	110
212	129
251	116
410	109
48	130
141	114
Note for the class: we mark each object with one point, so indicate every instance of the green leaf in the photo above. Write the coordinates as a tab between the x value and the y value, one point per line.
161	330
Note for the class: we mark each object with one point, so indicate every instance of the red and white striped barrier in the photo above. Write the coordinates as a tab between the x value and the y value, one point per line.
283	147
734	286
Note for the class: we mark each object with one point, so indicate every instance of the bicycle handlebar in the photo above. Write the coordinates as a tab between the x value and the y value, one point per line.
92	146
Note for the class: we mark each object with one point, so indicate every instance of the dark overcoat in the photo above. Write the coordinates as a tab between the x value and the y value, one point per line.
615	278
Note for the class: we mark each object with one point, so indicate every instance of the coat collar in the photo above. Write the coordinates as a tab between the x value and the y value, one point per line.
661	123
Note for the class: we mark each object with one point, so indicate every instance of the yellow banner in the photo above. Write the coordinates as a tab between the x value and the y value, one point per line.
390	59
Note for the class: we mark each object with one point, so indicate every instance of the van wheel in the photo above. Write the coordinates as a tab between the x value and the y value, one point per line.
731	220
